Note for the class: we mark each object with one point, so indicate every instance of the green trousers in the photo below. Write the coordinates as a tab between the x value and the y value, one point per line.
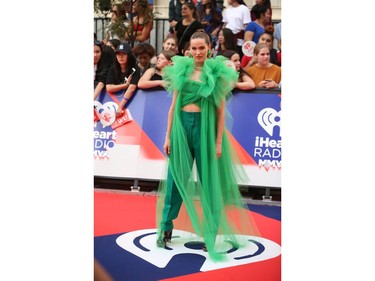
191	121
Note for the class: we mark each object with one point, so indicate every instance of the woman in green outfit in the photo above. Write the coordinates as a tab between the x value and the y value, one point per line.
196	131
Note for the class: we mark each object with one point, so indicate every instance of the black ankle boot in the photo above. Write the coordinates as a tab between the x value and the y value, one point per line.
164	237
168	235
204	248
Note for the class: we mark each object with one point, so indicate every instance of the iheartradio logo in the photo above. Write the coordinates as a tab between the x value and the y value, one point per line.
142	243
268	118
106	113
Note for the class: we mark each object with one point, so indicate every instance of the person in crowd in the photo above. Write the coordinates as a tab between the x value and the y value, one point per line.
210	17
170	43
123	75
236	17
186	49
115	28
277	35
151	4
113	43
109	53
226	41
143	23
267	38
266	3
187	26
152	78
244	81
265	74
196	132
144	52
256	27
174	13
103	60
220	4
99	75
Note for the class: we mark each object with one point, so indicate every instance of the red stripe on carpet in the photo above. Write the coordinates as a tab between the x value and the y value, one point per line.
118	213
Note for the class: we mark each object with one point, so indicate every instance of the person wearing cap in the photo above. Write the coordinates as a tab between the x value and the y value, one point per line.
123	75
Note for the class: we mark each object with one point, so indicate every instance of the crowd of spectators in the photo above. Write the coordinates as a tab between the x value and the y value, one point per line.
125	60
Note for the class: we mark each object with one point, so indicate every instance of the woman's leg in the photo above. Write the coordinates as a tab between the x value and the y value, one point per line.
172	204
173	199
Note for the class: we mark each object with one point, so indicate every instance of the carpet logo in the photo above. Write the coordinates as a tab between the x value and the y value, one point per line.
142	243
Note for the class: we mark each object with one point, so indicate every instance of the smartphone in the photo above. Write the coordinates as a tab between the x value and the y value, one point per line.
126	78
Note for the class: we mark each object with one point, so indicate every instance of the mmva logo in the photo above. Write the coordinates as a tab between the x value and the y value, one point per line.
268	118
142	243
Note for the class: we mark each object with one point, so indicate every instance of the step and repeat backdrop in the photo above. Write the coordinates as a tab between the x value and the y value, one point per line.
131	146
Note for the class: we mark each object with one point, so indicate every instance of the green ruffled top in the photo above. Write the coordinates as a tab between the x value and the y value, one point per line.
220	212
217	79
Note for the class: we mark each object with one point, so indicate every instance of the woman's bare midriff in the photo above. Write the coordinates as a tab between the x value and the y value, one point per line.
191	108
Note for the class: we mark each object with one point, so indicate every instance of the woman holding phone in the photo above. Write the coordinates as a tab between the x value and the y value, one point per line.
123	75
264	73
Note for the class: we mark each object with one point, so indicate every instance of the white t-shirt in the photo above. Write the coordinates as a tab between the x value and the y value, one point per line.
277	33
236	18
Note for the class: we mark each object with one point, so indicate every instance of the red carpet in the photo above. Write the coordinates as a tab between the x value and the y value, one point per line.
116	213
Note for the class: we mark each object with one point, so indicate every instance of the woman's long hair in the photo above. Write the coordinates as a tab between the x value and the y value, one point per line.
230	41
130	63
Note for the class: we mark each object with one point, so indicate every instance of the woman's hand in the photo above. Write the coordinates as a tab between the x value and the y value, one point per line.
119	111
218	150
271	84
129	79
167	146
268	84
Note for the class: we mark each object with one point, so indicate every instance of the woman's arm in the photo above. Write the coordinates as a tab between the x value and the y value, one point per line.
246	83
220	128
145	81
114	88
167	143
128	94
248	36
98	89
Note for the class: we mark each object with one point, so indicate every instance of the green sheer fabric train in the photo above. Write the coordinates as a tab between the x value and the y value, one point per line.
215	208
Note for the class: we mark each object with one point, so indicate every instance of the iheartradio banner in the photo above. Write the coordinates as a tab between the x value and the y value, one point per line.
131	146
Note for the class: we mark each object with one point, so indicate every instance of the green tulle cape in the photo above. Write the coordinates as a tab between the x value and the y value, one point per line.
213	209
